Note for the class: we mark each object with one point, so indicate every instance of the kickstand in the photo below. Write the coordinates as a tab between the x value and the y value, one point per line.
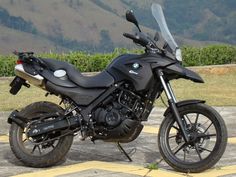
124	152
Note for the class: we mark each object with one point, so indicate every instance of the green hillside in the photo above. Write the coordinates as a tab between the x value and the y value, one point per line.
98	25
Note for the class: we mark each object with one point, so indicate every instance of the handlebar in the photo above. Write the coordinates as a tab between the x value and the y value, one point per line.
149	44
138	38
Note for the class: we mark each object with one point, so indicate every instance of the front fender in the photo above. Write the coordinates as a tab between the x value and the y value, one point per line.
184	103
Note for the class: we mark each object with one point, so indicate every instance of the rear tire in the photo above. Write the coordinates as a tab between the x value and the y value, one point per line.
18	141
201	156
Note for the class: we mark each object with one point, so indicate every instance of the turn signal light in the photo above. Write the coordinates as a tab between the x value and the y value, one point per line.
19	61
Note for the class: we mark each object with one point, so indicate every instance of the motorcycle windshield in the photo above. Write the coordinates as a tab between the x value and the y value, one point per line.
158	14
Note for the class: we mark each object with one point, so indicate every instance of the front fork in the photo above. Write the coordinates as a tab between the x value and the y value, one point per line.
172	103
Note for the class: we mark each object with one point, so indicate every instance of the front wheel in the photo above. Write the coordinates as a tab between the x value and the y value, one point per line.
208	139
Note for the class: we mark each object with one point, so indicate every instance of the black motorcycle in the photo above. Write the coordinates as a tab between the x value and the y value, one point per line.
112	105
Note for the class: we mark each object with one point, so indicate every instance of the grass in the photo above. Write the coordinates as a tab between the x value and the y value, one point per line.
152	166
24	97
219	89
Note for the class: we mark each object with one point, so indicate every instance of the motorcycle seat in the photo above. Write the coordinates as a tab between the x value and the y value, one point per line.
101	80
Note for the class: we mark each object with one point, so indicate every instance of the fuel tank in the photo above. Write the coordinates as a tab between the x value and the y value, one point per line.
137	69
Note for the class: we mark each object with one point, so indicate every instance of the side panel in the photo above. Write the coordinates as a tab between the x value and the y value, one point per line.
79	95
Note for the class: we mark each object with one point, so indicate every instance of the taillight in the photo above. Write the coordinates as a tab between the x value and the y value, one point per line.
19	61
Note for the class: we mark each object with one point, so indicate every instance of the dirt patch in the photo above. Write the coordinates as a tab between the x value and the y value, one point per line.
6	78
216	70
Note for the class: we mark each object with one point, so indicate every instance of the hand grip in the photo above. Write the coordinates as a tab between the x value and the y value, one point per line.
138	38
130	36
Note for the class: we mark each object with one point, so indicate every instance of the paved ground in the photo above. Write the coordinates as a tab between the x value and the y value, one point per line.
104	159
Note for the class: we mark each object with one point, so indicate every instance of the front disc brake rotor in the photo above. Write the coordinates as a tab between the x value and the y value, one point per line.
203	143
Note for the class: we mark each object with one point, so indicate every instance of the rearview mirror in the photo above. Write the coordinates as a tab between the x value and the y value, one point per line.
131	18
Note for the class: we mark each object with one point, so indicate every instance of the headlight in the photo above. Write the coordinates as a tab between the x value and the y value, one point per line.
178	54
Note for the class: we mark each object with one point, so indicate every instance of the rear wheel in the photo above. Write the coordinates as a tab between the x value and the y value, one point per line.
208	136
44	150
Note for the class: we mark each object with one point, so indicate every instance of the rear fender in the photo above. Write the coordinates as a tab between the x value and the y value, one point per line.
17	118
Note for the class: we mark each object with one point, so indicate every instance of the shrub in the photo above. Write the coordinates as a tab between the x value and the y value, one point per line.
210	55
192	56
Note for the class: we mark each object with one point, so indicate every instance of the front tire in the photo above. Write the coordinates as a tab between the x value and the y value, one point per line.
209	139
43	155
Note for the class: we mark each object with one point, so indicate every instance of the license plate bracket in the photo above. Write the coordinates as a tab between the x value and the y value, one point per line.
16	85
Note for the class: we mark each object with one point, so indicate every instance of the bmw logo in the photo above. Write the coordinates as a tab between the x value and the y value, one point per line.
135	66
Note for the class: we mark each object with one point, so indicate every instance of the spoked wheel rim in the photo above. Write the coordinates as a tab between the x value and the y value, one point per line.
24	148
203	135
36	146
